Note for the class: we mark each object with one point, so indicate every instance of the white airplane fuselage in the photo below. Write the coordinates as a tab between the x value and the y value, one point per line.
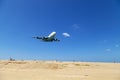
49	38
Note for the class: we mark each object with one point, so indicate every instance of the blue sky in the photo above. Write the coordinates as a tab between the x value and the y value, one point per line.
93	25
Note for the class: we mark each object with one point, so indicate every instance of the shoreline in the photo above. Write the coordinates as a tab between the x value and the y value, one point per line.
57	70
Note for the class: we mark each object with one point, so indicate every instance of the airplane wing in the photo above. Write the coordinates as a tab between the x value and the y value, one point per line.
37	37
49	38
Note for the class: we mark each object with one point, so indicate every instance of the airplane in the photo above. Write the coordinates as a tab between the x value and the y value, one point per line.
49	38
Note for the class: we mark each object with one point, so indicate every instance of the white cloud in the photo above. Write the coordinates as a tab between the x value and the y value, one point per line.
66	34
108	49
116	45
75	26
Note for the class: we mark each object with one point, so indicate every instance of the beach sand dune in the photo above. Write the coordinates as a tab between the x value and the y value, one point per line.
52	70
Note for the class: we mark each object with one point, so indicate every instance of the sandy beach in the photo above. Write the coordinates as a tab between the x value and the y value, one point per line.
52	70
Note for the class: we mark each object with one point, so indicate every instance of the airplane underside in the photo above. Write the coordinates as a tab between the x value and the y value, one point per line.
49	38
